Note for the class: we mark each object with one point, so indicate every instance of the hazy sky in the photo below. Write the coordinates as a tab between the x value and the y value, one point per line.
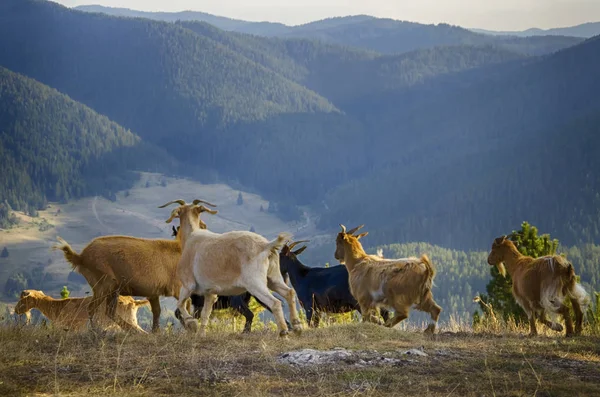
486	14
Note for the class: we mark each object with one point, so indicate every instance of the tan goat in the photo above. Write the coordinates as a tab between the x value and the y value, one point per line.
390	283
72	313
123	265
228	264
541	285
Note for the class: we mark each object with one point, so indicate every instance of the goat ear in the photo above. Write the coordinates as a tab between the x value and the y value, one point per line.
25	294
299	251
202	209
500	240
174	214
361	235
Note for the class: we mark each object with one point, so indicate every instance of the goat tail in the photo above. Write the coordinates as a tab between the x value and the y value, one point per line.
574	289
430	268
274	246
70	255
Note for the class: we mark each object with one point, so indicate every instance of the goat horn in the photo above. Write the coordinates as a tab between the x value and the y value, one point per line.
179	201
292	245
356	229
196	202
343	228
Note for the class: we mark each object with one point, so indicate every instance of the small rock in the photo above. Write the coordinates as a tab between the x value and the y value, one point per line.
415	352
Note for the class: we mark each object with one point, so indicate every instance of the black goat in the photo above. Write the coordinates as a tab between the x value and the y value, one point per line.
240	303
319	289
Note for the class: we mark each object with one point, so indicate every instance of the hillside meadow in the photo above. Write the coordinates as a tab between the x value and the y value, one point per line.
371	361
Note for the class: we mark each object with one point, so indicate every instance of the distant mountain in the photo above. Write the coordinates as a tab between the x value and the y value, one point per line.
585	30
237	25
53	148
386	36
390	36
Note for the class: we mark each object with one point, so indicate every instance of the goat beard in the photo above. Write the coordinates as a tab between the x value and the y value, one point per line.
501	269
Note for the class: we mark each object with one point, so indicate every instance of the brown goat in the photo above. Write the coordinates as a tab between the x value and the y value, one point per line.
72	313
123	265
391	283
541	285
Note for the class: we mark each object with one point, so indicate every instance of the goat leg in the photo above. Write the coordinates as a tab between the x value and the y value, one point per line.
155	306
182	306
209	301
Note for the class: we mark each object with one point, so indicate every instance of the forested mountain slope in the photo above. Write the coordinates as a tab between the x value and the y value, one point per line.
184	92
53	148
462	164
343	74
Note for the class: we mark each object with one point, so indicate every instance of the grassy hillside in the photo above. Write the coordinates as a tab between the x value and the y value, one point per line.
133	212
371	360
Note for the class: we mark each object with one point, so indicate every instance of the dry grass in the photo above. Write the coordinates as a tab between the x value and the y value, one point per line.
38	361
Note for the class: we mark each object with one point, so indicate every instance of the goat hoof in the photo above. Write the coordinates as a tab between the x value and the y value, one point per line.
430	329
557	327
191	325
284	333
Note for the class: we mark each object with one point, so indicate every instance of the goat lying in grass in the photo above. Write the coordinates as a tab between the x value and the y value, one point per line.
319	289
239	303
541	285
392	283
123	265
72	313
231	263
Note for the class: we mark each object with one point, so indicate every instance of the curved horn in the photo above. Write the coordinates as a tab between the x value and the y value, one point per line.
343	228
178	201
196	202
356	229
295	243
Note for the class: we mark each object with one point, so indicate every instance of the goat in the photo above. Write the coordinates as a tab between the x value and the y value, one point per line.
123	265
231	263
319	289
72	313
395	283
541	285
240	303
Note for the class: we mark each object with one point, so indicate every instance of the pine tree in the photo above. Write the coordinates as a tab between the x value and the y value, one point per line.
4	253
252	229
240	199
262	208
64	292
499	289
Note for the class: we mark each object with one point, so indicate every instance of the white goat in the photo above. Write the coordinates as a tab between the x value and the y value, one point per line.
228	264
